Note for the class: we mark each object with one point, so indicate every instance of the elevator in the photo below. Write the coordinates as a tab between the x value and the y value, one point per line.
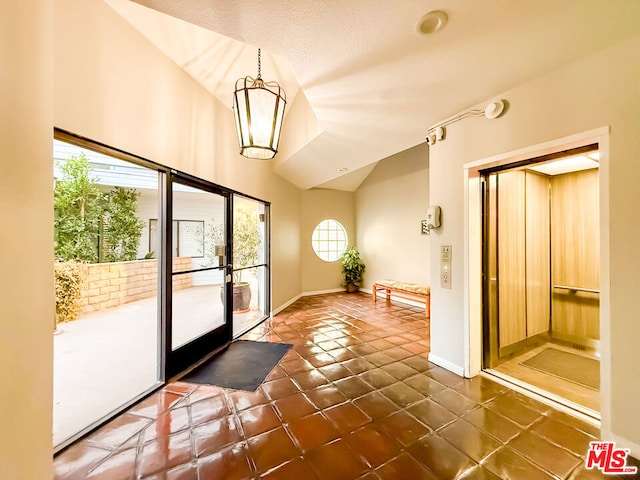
541	275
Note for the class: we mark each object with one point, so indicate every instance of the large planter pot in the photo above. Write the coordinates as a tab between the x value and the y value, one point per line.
241	297
351	288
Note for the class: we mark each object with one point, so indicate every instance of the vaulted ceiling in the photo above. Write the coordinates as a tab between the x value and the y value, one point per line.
362	84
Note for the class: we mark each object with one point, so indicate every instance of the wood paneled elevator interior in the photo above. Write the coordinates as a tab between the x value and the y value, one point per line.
541	276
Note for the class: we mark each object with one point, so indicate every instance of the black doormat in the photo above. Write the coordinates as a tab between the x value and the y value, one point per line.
569	366
242	366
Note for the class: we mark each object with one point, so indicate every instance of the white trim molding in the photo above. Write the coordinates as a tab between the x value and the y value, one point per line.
446	364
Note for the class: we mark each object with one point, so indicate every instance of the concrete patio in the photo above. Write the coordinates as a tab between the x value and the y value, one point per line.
106	358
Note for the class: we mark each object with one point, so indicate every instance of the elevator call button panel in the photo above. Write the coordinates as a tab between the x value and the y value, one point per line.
445	266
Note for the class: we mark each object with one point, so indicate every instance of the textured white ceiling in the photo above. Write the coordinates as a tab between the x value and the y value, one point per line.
361	83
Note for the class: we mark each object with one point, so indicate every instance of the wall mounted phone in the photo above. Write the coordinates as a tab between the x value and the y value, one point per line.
432	221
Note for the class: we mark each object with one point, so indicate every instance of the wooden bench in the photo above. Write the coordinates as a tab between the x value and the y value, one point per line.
409	291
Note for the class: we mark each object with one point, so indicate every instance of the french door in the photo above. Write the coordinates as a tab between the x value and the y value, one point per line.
198	271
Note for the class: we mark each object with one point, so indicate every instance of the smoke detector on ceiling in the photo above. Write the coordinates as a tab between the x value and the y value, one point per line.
431	22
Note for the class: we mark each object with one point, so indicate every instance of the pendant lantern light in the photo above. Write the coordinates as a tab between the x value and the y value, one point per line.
259	111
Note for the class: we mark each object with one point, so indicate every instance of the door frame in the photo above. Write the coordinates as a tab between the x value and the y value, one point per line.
472	233
189	354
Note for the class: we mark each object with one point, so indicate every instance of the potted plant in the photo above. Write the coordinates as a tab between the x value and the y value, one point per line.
353	269
246	248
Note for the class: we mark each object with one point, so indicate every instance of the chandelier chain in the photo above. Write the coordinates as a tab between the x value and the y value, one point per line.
259	64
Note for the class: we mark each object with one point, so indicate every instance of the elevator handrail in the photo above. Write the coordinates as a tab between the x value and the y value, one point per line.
577	289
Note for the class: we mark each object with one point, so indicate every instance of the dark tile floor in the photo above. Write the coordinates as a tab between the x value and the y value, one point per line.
355	398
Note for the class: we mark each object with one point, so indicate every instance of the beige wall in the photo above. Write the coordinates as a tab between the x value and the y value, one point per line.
317	205
597	91
26	240
390	204
114	86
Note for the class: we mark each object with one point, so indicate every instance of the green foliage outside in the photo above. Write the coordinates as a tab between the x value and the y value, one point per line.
246	241
122	228
92	226
69	277
352	267
78	212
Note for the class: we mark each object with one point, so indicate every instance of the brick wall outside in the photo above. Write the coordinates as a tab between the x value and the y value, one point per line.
111	284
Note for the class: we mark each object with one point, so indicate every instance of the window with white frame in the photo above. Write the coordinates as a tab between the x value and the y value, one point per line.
329	240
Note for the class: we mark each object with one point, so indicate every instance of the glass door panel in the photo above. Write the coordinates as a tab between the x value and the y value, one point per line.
106	347
250	263
198	270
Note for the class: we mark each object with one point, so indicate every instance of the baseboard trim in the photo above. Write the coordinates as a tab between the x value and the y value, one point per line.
322	292
446	364
286	304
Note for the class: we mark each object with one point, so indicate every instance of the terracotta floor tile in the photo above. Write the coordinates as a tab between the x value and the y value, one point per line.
294	406
346	417
295	469
478	473
204	411
479	389
335	371
442	458
357	365
242	400
514	410
399	353
443	376
403	427
280	388
119	465
376	405
399	370
309	379
156	404
295	366
552	458
272	449
182	472
404	466
379	359
505	463
215	435
453	401
326	396
119	430
341	354
76	460
469	439
378	378
336	461
401	394
431	414
203	392
172	421
497	426
373	445
353	387
231	464
417	362
355	398
165	453
312	431
320	359
561	434
258	420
